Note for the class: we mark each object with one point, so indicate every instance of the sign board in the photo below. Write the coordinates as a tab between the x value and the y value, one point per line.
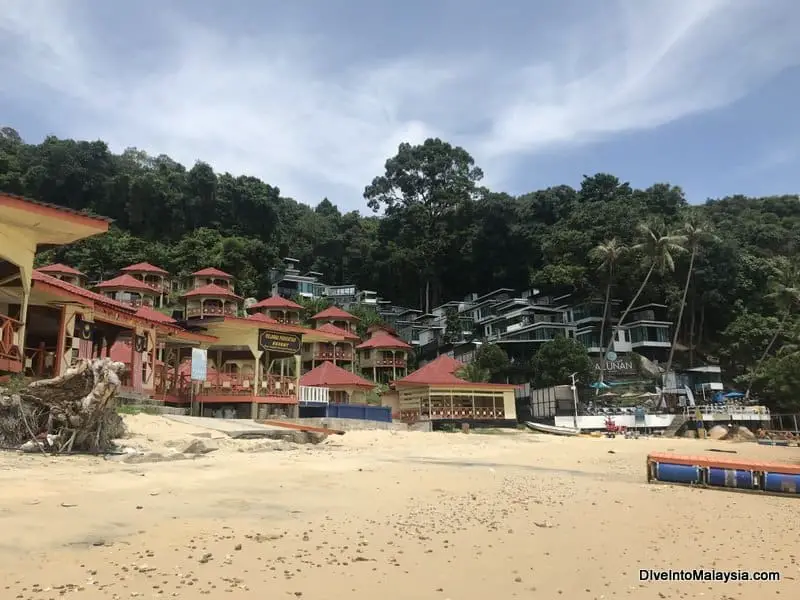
623	366
199	364
276	341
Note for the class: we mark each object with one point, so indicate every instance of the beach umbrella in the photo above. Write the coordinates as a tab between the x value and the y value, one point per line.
599	385
734	395
608	395
630	395
648	395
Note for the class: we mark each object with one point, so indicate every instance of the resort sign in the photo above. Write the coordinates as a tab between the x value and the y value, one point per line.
274	341
620	366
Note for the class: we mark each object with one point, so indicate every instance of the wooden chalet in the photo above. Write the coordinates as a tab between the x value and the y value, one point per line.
435	393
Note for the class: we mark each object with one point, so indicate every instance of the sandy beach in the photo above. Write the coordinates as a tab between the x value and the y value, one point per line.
385	515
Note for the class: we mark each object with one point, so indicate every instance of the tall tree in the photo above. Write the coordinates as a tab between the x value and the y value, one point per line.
423	186
694	235
658	250
608	254
786	296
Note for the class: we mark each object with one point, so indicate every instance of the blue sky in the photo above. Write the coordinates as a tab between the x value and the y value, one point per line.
314	95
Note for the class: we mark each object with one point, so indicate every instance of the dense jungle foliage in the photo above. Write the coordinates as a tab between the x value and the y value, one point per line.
729	265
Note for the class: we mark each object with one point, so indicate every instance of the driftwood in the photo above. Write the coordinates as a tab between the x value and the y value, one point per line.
73	412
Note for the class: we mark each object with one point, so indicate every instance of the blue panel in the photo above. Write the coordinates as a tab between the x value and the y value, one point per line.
782	482
364	412
677	473
732	478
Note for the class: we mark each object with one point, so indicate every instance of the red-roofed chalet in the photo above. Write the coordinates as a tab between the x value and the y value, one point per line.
437	392
345	387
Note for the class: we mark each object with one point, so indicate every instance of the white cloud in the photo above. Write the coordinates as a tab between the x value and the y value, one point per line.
264	106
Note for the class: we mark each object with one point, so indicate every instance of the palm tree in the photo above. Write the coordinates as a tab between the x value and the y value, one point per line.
786	296
694	234
608	254
658	251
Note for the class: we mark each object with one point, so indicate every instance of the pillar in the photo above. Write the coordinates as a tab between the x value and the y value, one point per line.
352	357
23	316
394	365
256	384
61	341
334	352
296	409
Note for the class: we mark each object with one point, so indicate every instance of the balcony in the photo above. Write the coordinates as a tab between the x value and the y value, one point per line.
329	355
210	311
390	362
237	386
10	356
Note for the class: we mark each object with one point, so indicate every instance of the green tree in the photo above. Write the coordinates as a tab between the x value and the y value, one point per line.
474	372
658	250
786	295
608	254
422	187
694	235
556	360
492	359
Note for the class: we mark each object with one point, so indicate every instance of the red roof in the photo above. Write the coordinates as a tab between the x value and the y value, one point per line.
334	312
211	272
262	317
151	314
125	282
211	289
329	375
78	291
60	268
384	340
74	290
378	327
276	302
442	372
144	267
329	328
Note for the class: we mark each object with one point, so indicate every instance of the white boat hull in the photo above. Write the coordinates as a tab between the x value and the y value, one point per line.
555	430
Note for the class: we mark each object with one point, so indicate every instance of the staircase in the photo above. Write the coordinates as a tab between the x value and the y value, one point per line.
678	422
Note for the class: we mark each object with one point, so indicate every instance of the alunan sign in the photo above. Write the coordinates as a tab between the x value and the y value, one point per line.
275	341
620	366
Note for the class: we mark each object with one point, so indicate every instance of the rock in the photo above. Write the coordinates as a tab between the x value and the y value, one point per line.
718	432
740	434
31	446
200	446
150	457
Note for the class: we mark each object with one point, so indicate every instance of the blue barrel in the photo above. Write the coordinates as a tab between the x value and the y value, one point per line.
732	478
782	482
677	473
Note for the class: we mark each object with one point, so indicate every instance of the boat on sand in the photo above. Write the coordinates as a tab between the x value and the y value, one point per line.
553	429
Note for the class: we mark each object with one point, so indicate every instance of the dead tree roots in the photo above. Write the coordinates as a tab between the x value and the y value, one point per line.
73	412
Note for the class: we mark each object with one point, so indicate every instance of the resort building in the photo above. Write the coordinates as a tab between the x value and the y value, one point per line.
383	356
344	387
340	323
211	276
436	393
65	273
278	308
25	227
155	277
211	300
129	290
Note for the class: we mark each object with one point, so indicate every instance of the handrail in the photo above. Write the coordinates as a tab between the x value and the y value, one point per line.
9	348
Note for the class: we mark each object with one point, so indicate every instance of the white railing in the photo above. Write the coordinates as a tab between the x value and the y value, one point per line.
317	395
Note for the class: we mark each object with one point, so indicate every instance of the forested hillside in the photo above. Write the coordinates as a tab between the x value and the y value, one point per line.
443	235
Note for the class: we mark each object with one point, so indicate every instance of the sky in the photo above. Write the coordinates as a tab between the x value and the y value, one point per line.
313	96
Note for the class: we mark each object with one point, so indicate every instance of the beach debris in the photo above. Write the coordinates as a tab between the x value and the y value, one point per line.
72	412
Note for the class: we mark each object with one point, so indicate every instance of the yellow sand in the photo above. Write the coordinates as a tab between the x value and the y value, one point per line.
387	516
